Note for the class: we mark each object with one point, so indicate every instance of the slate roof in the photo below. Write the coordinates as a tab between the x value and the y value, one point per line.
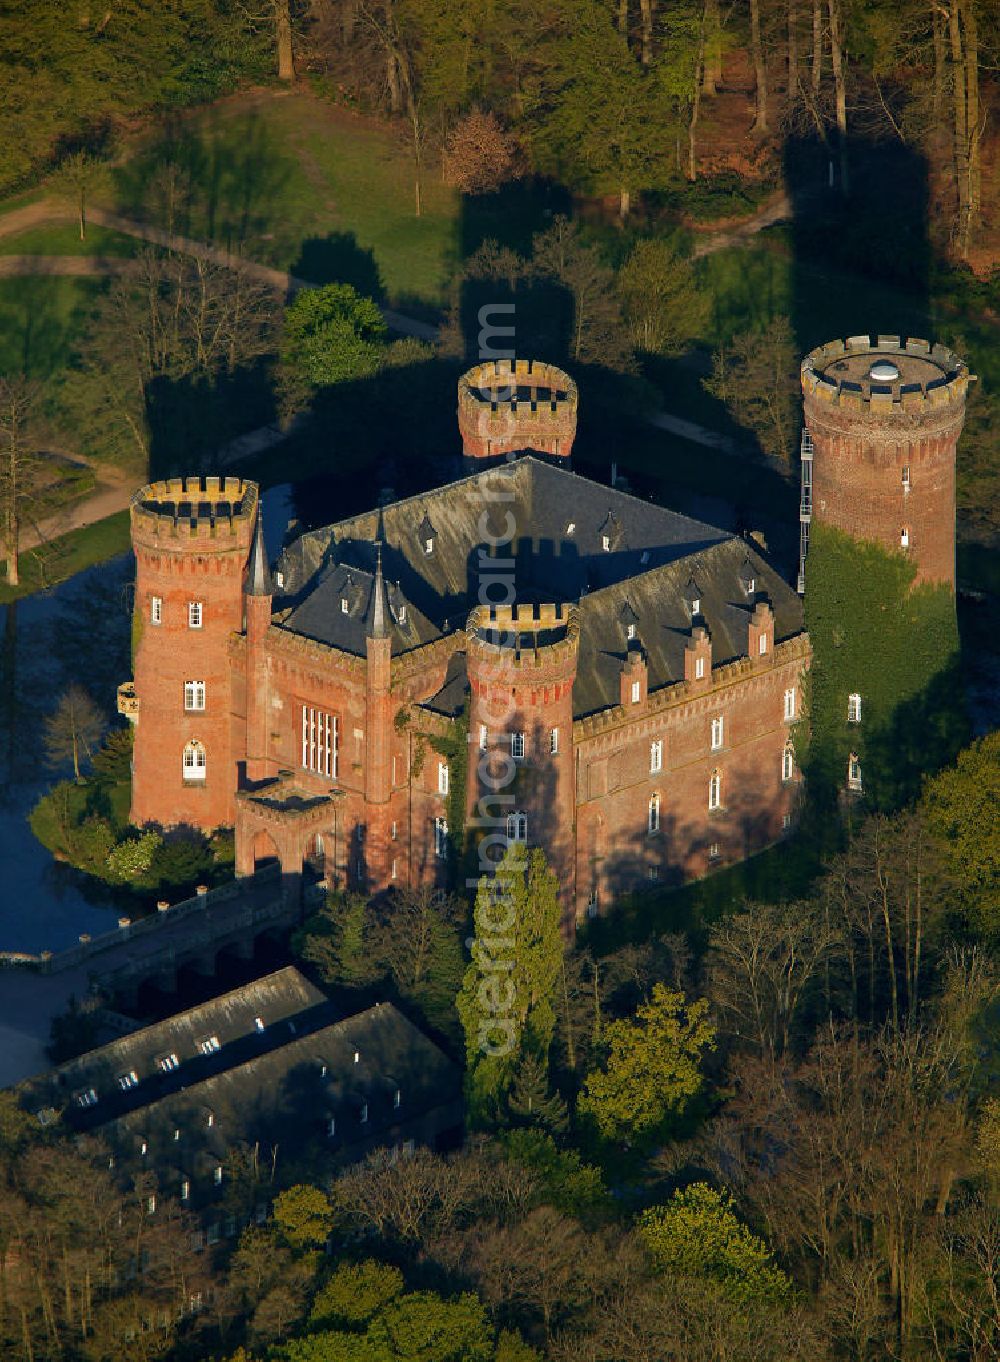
560	523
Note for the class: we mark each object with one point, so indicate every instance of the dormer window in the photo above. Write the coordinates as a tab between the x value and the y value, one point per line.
748	580
402	614
345	606
167	1063
630	631
128	1080
86	1098
692	597
426	533
429	545
571	528
209	1045
258	1023
606	543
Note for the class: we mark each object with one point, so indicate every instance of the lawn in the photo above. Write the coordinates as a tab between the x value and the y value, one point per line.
40	320
69	554
64	239
304	186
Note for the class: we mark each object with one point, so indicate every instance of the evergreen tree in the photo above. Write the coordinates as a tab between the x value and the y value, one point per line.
506	1002
530	1100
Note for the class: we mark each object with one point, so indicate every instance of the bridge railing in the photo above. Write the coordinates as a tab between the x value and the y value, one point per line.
49	962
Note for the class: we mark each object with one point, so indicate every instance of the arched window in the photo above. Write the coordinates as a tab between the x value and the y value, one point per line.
517	827
715	791
653	817
787	764
194	761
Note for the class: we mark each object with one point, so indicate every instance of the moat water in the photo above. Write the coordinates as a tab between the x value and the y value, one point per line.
77	632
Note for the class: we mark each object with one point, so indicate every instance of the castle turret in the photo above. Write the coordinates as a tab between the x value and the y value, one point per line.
506	407
257	607
192	539
521	663
884	419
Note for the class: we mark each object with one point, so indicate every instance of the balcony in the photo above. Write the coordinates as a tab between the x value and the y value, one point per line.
128	703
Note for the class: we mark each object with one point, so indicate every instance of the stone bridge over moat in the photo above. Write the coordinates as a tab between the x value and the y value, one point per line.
192	935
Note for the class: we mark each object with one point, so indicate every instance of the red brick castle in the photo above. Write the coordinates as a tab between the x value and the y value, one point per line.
627	680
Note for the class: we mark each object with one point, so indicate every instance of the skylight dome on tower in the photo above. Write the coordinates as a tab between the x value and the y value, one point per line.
883	371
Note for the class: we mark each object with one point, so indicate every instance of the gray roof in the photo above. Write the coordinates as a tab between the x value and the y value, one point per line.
560	522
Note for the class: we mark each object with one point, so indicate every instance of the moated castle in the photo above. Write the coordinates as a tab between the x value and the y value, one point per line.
624	681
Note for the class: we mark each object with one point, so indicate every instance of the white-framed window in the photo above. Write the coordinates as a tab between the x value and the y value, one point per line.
571	527
194	614
653	815
209	1045
696	606
484	737
320	742
128	1080
167	1063
85	1098
428	546
210	1119
401	614
854	708
517	827
394	869
904	538
517	746
217	1177
718	732
156	609
144	1148
258	1024
656	756
906	477
788	764
194	695
443	778
630	631
393	831
762	644
345	606
151	1204
440	836
853	772
194	761
715	790
606	543
751	586
790	703
553	742
713	851
636	692
185	1189
699	669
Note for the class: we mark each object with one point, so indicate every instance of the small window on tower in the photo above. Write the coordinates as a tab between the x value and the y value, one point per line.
194	695
653	814
904	538
554	742
636	692
762	644
790	703
194	614
156	610
443	778
699	668
517	746
787	764
906	477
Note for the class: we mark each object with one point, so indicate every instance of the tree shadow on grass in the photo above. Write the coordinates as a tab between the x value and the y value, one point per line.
338	259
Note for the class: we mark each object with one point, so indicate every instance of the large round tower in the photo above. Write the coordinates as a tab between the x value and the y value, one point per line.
191	538
506	407
521	663
884	419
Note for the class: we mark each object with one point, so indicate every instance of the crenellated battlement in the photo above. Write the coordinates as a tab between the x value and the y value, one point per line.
195	511
885	377
524	636
505	406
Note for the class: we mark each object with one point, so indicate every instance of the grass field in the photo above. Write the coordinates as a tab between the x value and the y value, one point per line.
40	320
64	239
305	187
69	554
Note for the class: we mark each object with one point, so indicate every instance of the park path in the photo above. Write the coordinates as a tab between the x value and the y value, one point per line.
778	209
113	493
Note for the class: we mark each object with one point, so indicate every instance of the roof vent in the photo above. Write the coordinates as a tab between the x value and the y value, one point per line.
883	371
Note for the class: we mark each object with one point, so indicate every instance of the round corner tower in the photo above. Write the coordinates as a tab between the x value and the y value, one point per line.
521	663
191	538
885	417
506	407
